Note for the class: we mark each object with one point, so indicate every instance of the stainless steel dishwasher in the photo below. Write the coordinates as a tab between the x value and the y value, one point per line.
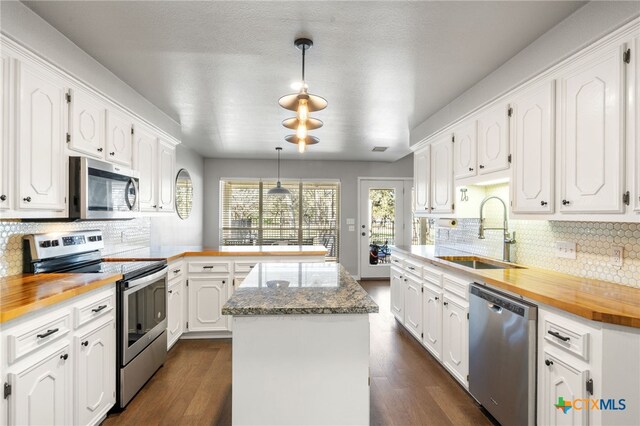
502	355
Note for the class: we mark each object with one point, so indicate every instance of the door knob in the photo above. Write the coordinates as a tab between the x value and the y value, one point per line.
470	169
548	362
64	356
100	150
543	203
364	234
85	343
565	202
481	166
112	154
3	197
27	199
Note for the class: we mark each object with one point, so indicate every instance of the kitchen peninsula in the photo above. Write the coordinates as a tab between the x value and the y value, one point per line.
300	346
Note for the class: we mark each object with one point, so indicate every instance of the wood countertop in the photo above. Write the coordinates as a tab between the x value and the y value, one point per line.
171	253
22	294
589	298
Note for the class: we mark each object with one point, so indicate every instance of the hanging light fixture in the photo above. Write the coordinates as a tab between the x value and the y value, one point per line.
302	142
302	103
278	189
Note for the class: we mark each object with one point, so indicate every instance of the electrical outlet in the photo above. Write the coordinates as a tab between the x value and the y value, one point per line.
566	249
352	228
617	254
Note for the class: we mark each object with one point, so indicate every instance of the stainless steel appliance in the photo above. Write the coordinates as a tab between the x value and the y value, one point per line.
99	190
502	355
141	308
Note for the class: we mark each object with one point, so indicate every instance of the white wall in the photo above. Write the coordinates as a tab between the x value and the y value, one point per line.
345	171
584	26
21	24
170	229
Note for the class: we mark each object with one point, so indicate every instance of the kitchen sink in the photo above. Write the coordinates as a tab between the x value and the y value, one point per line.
474	262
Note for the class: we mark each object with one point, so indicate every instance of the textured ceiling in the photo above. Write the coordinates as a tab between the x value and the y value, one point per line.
219	67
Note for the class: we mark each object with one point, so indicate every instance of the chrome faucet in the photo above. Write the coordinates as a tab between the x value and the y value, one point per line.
508	238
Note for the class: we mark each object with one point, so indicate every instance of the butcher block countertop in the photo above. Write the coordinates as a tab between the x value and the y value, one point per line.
589	298
171	253
22	294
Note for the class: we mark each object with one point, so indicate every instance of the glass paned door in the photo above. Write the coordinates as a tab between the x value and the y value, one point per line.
382	208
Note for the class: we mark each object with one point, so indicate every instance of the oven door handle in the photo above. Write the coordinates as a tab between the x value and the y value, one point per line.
147	279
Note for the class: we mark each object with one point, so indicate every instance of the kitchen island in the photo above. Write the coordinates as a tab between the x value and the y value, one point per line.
300	346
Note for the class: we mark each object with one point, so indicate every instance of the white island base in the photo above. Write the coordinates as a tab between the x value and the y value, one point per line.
301	370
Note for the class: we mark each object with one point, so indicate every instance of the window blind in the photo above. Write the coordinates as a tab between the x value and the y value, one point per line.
309	216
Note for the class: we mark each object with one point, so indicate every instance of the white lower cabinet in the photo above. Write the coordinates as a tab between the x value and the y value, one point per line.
397	294
432	321
207	295
95	373
455	338
175	311
413	305
40	392
56	373
562	382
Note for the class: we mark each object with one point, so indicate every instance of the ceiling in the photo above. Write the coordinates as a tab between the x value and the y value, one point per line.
219	67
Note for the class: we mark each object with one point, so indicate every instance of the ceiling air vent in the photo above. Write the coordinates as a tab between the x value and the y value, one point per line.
379	148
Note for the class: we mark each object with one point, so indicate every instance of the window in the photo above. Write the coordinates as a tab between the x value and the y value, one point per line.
310	216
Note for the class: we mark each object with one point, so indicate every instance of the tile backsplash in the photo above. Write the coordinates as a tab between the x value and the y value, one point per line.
535	246
119	235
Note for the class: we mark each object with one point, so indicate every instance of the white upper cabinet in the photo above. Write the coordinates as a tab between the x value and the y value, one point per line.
493	139
533	136
41	105
166	175
119	139
145	153
442	175
6	194
422	181
591	134
86	124
465	154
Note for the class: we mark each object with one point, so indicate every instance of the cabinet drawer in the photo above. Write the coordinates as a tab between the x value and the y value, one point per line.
456	285
413	267
432	274
94	308
244	267
567	335
209	267
37	334
397	260
176	269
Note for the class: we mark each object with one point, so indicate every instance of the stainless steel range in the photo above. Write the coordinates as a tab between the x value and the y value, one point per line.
141	304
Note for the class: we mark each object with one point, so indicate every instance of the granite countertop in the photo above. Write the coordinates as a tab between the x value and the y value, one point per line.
299	288
25	293
171	253
590	298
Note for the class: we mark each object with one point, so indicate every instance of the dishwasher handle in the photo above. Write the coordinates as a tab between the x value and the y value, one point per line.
495	308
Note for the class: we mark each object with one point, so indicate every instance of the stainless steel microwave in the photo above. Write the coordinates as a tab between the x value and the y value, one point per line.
101	191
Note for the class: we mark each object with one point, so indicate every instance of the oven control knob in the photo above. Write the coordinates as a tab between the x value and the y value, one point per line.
55	243
45	244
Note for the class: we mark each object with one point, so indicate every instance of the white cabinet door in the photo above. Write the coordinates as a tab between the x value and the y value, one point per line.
41	172
465	155
95	374
166	175
119	138
421	179
442	176
6	200
533	135
561	382
145	162
493	139
591	135
635	81
86	124
455	339
397	294
175	312
432	321
413	306
41	393
206	298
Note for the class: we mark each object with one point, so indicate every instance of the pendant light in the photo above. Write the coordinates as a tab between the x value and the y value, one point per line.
302	103
278	189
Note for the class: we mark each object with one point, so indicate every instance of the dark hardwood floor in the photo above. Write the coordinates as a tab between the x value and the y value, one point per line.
408	386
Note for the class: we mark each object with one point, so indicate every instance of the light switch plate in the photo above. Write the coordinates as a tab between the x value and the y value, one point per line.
351	221
566	249
617	255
